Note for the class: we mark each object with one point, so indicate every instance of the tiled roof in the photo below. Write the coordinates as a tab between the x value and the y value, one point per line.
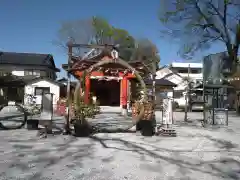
22	80
27	59
160	82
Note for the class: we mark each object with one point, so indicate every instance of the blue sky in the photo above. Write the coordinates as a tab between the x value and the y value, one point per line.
32	25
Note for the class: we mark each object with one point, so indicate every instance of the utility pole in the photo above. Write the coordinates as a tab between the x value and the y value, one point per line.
204	99
187	96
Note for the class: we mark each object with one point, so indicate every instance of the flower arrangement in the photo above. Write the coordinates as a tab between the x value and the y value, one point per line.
32	108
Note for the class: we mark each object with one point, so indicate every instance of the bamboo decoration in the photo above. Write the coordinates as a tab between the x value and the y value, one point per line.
128	66
116	60
148	110
135	109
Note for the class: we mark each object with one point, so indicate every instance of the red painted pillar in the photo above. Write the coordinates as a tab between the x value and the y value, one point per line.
87	90
121	93
124	92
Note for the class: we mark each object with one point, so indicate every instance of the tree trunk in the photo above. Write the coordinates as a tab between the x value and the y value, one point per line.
233	52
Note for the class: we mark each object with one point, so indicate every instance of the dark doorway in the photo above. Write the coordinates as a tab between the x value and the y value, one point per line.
107	92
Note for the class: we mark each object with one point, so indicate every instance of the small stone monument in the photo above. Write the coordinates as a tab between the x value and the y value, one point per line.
167	119
46	115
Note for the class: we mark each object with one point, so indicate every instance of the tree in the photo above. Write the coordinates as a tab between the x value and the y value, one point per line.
79	31
126	43
103	31
146	51
197	24
95	30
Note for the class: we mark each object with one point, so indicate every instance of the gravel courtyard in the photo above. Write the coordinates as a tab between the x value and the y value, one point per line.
196	153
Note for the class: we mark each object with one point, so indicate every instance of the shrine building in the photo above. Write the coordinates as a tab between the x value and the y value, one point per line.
112	83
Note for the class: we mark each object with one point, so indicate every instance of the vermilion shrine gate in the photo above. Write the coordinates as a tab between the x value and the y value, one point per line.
110	83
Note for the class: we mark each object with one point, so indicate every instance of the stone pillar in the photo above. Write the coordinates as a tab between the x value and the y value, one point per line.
87	90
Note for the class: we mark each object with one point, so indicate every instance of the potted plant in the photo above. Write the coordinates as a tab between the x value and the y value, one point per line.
145	124
136	106
81	112
147	128
81	126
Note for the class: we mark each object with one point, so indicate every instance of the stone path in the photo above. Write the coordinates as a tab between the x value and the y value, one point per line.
111	120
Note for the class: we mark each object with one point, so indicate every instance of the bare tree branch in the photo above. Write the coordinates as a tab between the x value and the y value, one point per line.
80	31
197	24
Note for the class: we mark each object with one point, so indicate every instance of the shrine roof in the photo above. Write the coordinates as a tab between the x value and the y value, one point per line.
83	64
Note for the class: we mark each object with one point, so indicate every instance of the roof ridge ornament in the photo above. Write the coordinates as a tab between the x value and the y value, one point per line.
114	54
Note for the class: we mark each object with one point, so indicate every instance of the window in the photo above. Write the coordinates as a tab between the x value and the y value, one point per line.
178	94
196	71
31	73
28	72
43	73
182	71
35	73
50	75
41	90
3	73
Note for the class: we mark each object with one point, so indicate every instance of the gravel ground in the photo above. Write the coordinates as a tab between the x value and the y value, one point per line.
196	153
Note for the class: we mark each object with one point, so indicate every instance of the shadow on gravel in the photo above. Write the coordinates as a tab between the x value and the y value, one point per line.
226	168
109	113
222	144
30	158
190	123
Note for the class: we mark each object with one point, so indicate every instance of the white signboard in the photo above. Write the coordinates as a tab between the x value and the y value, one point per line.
220	116
167	111
47	107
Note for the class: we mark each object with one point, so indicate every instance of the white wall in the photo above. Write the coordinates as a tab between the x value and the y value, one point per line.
198	76
195	76
19	70
55	89
174	78
185	65
18	73
181	85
